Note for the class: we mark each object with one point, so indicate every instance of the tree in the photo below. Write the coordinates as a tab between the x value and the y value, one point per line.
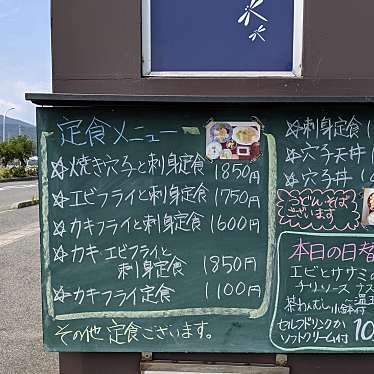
22	148
7	153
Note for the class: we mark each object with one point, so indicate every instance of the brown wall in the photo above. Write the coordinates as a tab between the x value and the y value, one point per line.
97	49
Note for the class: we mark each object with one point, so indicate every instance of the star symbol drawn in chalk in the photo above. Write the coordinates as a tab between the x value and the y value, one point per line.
60	254
59	228
59	169
60	294
59	199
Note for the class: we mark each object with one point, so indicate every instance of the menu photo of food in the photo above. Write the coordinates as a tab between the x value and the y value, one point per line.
233	140
368	207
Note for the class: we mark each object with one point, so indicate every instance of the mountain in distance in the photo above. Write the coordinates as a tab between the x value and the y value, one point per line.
14	127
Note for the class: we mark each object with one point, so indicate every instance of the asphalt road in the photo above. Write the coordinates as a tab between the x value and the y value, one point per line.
21	349
17	191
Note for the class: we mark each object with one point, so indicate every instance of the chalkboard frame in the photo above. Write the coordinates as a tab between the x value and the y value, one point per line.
348	350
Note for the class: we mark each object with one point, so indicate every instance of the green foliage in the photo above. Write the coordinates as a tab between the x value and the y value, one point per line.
22	147
7	153
5	173
17	148
18	171
32	171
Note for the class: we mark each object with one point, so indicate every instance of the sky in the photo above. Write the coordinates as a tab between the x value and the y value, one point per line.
25	54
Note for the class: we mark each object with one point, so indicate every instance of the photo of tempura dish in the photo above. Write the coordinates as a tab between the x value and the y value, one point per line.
367	217
370	217
371	202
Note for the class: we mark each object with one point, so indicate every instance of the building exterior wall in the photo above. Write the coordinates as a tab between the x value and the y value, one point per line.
97	50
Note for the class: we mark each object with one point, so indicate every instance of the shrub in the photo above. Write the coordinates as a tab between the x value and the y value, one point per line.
5	173
32	171
18	171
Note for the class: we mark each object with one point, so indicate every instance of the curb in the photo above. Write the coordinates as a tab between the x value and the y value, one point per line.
7	180
24	204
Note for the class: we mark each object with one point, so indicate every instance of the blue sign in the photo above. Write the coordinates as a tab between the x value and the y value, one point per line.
222	35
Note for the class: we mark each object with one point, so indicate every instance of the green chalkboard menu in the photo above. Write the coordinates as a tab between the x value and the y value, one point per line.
202	227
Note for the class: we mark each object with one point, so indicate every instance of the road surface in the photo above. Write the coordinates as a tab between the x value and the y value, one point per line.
21	349
14	192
